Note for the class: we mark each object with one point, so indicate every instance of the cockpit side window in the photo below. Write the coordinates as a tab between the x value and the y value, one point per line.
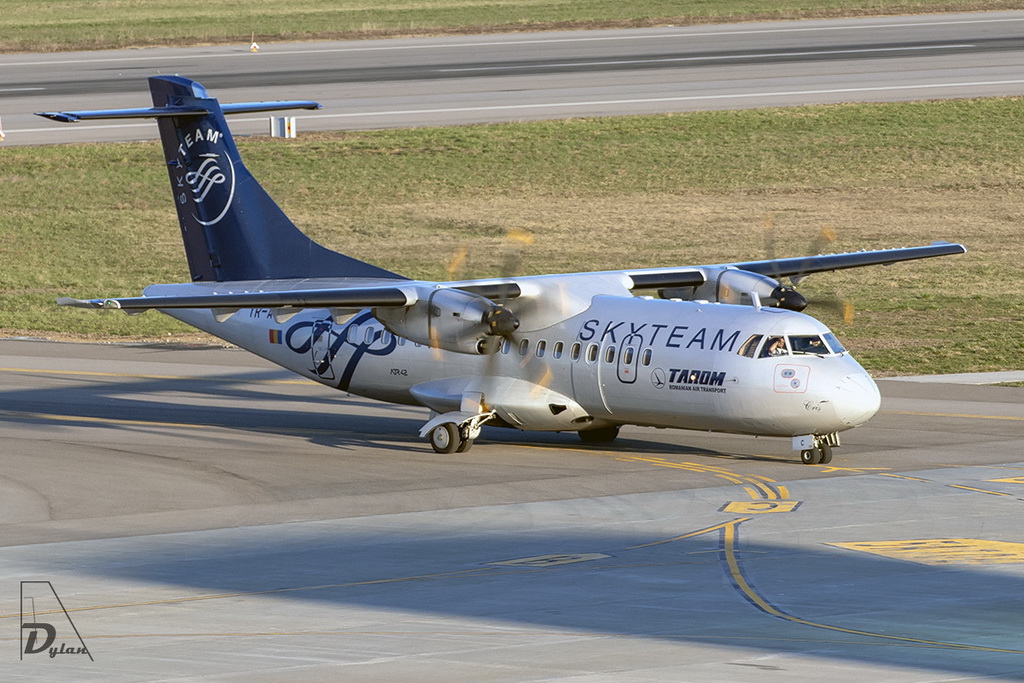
773	347
749	348
808	343
833	343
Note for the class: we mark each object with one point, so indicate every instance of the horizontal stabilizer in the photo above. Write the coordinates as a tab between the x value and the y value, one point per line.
182	110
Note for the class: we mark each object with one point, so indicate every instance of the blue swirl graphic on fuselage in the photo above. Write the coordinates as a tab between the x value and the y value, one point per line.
326	340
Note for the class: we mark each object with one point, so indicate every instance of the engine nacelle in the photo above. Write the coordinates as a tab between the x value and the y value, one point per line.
734	286
450	319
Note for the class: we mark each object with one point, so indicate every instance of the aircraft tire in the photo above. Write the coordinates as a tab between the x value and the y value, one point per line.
826	455
811	456
464	446
445	438
599	435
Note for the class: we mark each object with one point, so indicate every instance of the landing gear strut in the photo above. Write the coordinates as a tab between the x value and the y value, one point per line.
821	452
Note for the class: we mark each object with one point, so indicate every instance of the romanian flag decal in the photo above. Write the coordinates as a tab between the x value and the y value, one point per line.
275	336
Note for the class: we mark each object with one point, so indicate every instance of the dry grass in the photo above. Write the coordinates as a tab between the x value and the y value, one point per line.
597	194
56	25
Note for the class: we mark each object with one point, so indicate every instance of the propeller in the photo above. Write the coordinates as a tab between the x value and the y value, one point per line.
787	296
501	322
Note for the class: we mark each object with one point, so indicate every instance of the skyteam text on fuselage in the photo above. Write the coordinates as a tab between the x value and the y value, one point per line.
711	347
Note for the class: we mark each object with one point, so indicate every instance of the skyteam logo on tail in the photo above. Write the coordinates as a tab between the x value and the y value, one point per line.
206	176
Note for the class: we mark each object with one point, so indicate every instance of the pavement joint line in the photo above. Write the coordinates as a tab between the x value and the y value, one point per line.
971	488
92	373
953	486
955	415
146	423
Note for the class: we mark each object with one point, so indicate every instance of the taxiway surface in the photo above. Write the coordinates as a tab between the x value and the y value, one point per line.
512	77
201	513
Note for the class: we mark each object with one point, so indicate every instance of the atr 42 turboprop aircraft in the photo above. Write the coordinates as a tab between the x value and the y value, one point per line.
583	352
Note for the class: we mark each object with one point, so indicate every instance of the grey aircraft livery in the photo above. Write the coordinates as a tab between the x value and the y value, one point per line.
720	348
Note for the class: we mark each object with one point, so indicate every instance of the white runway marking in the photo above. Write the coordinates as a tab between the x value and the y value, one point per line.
669	60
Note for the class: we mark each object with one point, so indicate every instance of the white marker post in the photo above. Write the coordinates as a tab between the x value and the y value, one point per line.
282	126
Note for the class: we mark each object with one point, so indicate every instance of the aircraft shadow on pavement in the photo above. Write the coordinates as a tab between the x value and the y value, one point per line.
320	417
439	577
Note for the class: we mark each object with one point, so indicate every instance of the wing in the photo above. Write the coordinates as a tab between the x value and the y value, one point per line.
265	296
458	316
658	278
797	267
405	293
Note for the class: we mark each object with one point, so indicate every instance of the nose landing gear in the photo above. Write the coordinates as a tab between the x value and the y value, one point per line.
821	450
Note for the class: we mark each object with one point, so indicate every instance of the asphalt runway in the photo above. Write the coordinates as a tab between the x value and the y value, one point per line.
511	77
202	514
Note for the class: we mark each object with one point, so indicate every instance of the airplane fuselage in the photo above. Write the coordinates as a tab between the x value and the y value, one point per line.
622	360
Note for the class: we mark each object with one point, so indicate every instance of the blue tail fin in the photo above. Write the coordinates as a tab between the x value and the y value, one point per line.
231	227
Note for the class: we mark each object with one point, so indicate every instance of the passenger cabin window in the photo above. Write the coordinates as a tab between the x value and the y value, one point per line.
574	351
556	350
541	348
808	344
749	348
592	351
773	347
524	347
506	346
646	357
609	354
627	355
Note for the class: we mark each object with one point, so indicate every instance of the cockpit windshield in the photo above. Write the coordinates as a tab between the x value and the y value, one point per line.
808	343
833	343
793	344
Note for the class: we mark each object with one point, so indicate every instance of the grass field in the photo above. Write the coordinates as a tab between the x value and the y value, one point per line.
51	25
97	220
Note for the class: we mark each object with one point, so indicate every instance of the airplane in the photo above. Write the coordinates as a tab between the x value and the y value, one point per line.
718	348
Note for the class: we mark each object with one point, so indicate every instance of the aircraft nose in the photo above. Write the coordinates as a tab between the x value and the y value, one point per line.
857	399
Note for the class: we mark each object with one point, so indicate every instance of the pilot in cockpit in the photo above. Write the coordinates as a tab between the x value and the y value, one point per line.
775	346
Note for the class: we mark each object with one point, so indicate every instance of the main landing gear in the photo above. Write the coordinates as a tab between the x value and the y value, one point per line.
454	432
821	451
599	435
449	438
